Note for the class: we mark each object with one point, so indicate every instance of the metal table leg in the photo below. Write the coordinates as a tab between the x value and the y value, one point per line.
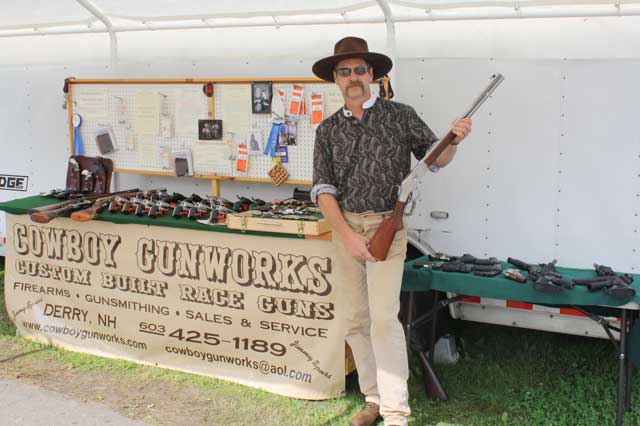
432	386
622	368
408	320
434	325
625	366
629	377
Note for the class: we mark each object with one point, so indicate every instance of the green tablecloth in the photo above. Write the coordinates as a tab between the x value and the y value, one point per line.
22	206
500	287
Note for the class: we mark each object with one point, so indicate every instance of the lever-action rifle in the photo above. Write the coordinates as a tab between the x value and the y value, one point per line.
45	214
381	241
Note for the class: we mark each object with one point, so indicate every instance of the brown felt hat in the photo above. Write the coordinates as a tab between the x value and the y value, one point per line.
352	47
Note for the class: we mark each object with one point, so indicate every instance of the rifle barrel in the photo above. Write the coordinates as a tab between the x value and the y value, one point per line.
435	152
76	200
495	82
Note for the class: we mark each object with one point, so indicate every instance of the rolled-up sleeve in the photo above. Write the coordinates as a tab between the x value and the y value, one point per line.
323	177
420	137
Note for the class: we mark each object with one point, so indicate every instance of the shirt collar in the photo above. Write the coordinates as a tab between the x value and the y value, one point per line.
367	104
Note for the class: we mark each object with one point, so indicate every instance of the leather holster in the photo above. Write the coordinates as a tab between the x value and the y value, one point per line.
91	175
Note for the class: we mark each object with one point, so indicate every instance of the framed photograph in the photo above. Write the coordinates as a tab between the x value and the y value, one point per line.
261	93
253	140
288	131
209	130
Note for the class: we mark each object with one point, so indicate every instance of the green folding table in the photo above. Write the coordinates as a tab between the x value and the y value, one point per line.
595	305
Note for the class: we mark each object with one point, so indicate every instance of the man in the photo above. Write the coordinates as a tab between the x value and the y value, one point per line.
261	101
207	132
362	153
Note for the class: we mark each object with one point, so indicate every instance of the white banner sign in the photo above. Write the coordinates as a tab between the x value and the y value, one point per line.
261	311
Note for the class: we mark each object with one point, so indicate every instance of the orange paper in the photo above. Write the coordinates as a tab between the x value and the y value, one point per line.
242	159
295	106
303	107
317	108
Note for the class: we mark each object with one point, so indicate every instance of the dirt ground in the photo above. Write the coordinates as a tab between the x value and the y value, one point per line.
136	396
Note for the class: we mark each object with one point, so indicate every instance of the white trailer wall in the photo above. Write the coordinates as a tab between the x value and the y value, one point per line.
552	169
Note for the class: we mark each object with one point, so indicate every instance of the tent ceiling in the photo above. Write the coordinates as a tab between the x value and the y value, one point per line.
38	12
35	17
222	7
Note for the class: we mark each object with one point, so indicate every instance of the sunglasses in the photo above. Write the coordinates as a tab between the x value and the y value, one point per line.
359	70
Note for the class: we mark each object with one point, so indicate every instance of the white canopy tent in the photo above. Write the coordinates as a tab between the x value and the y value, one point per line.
571	71
551	170
115	31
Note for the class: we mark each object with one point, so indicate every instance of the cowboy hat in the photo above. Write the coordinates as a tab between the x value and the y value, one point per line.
352	47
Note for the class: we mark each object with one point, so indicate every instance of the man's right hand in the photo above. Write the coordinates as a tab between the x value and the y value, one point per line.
358	246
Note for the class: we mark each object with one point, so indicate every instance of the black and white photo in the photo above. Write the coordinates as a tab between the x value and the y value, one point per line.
261	97
209	130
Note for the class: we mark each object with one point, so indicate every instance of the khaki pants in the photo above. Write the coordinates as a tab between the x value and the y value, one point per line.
373	331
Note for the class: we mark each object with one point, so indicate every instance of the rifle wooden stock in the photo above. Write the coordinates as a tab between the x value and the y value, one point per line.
48	215
382	239
93	211
439	148
77	200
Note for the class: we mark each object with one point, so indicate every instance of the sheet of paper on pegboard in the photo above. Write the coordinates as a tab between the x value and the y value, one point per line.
182	105
140	152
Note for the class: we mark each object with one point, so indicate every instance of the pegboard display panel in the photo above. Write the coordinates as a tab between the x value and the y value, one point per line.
300	164
113	106
133	152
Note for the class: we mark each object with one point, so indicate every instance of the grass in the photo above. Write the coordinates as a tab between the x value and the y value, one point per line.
509	377
6	326
523	377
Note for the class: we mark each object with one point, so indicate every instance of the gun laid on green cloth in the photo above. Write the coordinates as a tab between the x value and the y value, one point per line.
545	277
613	285
64	194
382	239
97	207
46	214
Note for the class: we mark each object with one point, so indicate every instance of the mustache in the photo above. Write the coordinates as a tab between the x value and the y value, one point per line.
356	84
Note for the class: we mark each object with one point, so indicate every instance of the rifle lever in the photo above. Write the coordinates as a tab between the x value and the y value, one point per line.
411	204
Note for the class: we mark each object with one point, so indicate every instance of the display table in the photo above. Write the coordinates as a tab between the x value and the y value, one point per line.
500	287
256	308
22	206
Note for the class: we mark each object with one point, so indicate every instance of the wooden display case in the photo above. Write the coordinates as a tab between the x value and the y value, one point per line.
247	222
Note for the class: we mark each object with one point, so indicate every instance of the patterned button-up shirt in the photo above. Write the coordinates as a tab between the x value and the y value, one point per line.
362	163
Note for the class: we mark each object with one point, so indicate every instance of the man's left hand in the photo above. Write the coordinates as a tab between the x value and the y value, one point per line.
461	128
